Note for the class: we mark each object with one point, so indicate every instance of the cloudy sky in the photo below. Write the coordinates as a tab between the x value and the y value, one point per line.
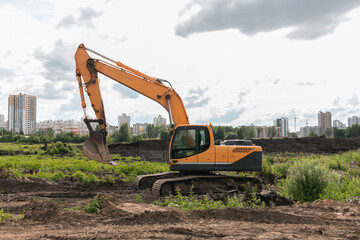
233	62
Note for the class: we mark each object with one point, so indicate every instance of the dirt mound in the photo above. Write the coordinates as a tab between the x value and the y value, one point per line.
42	211
140	213
150	145
153	150
157	150
259	215
308	145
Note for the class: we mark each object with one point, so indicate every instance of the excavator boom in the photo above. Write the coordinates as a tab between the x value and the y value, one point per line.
87	70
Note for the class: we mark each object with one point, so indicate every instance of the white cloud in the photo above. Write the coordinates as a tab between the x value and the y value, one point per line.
307	19
263	76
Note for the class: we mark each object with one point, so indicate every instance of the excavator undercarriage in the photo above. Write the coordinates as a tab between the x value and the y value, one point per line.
164	184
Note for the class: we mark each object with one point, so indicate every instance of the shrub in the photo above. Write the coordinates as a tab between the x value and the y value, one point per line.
344	189
307	180
96	204
59	148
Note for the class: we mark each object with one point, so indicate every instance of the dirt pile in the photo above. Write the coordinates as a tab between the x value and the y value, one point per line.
308	145
157	150
153	150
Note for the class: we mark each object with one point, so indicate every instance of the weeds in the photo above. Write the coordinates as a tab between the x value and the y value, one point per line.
307	181
56	167
138	198
191	202
96	204
4	215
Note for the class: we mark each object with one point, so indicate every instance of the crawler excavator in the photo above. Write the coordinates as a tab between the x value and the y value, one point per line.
194	159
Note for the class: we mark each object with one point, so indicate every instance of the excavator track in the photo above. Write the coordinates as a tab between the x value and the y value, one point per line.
147	181
202	184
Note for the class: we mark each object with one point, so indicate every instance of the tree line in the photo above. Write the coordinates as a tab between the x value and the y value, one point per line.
48	137
151	132
160	132
350	132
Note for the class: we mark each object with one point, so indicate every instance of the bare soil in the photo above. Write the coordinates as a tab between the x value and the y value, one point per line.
53	210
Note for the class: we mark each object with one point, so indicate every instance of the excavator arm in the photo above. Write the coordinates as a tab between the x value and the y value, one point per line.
87	69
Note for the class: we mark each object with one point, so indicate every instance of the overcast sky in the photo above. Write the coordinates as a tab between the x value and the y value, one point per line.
232	62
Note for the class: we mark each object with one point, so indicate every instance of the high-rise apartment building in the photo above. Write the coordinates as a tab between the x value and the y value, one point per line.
282	125
2	121
22	113
324	121
159	120
123	119
339	124
353	121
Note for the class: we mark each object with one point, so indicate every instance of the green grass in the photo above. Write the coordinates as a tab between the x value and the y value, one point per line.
55	167
311	177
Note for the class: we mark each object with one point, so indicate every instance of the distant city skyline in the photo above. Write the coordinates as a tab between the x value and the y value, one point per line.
324	121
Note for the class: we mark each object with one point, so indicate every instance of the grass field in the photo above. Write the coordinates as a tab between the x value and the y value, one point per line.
297	176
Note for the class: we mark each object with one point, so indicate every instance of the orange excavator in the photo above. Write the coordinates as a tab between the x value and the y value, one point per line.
193	156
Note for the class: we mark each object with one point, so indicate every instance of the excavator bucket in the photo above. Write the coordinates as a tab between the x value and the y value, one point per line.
95	149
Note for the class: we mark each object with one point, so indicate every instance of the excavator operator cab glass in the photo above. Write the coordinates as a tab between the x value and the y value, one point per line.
189	141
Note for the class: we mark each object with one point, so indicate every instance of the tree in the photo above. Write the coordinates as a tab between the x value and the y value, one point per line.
329	132
240	133
136	138
272	132
124	133
164	135
152	131
249	132
353	131
50	132
313	134
220	133
258	129
339	133
231	135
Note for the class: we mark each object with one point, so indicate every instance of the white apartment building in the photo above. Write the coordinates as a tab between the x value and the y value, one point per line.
339	124
159	120
22	113
354	120
59	126
64	126
283	126
123	119
305	131
2	121
139	128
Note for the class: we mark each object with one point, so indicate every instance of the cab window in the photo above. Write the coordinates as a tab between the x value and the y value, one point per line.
204	140
184	143
190	141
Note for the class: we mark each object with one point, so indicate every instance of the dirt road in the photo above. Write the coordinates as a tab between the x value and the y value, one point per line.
49	210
